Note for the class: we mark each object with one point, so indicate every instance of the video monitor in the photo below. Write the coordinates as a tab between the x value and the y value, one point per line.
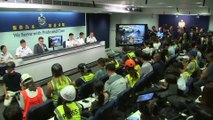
55	41
130	34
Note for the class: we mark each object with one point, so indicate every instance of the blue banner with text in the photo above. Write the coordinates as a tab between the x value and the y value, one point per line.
18	21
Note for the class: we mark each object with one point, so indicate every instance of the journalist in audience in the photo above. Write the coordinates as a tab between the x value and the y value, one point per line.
58	82
207	74
69	110
13	112
11	83
30	95
101	62
116	83
146	66
86	75
101	97
133	75
206	96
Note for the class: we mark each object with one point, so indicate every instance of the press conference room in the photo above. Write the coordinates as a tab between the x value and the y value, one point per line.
106	59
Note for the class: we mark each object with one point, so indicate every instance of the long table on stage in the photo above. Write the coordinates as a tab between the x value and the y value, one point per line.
39	66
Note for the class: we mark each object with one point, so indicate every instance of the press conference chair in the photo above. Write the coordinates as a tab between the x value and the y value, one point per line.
86	90
105	112
41	112
145	81
123	99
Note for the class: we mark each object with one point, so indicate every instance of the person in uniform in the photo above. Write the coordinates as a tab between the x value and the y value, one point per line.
23	50
71	42
91	38
80	39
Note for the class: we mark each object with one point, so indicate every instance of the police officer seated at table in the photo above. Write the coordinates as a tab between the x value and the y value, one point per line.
11	83
30	95
80	39
86	74
91	38
69	110
40	47
5	56
23	50
71	42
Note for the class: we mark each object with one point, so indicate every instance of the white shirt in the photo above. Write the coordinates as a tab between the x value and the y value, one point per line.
71	43
81	41
5	57
22	52
91	39
146	68
156	45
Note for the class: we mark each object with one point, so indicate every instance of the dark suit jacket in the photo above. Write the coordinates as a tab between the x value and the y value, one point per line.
38	49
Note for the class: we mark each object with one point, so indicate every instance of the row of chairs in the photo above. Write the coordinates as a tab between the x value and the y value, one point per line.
106	111
45	110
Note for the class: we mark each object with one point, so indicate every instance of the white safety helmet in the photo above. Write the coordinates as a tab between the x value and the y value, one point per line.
68	93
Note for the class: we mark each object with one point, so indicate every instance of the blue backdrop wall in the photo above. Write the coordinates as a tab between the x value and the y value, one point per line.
17	21
99	24
190	20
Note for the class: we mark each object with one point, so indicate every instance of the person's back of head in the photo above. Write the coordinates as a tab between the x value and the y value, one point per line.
98	88
171	79
13	112
68	95
84	69
57	70
101	62
27	82
178	65
173	71
10	66
207	98
110	68
126	49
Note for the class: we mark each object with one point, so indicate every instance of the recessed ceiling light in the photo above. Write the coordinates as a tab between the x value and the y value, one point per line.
160	3
198	3
170	6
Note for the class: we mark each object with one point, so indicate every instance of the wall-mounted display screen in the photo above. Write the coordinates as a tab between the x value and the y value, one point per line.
130	34
55	41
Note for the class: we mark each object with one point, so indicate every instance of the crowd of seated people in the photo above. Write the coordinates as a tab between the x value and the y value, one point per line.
176	69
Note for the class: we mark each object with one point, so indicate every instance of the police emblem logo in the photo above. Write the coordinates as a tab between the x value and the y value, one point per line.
42	20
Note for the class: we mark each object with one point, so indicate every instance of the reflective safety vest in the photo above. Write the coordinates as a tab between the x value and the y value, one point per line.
185	76
117	65
194	68
132	81
131	55
88	77
64	81
137	68
30	102
73	106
